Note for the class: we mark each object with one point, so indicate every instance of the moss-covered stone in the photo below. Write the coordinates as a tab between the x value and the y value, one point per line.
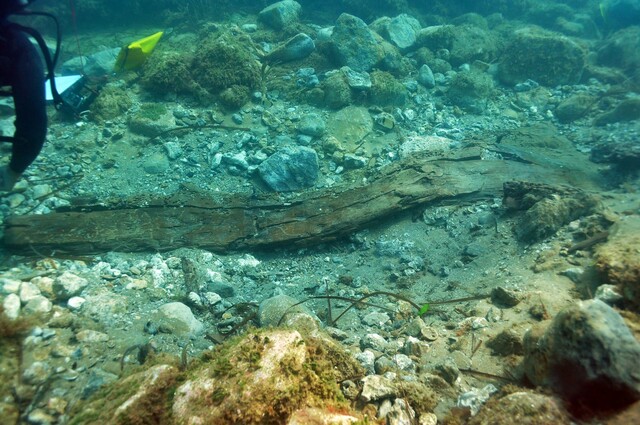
548	58
263	377
471	90
225	61
235	96
337	92
169	72
112	102
386	90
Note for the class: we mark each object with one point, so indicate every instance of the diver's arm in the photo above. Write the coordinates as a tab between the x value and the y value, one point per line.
30	105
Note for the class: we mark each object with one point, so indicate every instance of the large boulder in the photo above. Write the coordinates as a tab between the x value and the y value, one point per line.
281	14
588	355
548	58
619	259
355	45
465	43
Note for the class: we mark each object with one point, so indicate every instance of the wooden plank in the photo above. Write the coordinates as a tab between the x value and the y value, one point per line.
234	222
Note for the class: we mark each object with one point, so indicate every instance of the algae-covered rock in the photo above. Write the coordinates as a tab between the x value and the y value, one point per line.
627	110
235	96
548	58
574	107
224	61
169	72
112	102
355	45
386	90
618	259
465	43
523	408
151	119
471	90
264	378
336	90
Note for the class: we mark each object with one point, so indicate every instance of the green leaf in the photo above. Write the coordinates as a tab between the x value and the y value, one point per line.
423	309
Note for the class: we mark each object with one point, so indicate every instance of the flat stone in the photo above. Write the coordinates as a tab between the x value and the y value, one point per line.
68	285
177	318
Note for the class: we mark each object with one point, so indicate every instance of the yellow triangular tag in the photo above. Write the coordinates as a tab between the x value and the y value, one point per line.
134	55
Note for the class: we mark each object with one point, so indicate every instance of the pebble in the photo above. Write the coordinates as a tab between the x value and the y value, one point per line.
367	360
426	77
609	294
177	318
15	199
41	190
312	125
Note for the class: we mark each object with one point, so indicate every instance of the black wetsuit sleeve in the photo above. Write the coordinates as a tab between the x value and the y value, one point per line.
25	74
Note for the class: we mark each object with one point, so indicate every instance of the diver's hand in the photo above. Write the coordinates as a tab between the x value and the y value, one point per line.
8	178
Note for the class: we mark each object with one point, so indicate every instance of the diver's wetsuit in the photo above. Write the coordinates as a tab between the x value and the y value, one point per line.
22	69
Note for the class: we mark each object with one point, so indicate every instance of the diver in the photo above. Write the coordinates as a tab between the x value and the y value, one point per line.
21	68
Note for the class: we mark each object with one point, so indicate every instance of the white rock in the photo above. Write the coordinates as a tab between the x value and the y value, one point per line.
248	261
376	387
10	286
178	319
28	291
68	284
74	303
11	306
211	298
37	373
39	304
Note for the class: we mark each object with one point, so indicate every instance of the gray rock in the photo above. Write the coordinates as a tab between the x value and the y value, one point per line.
68	285
176	318
281	14
474	399
355	45
312	125
609	294
96	64
297	47
350	125
156	163
352	162
174	150
374	342
376	387
588	354
272	310
290	168
402	31
425	77
367	360
357	80
574	107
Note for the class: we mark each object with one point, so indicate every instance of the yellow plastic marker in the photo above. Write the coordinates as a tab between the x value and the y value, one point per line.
134	55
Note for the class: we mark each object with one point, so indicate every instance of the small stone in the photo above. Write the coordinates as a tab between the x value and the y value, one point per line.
174	150
574	273
373	341
504	297
74	303
290	169
40	417
506	343
425	77
41	190
357	80
10	286
476	398
15	200
312	125
367	360
281	14
91	336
